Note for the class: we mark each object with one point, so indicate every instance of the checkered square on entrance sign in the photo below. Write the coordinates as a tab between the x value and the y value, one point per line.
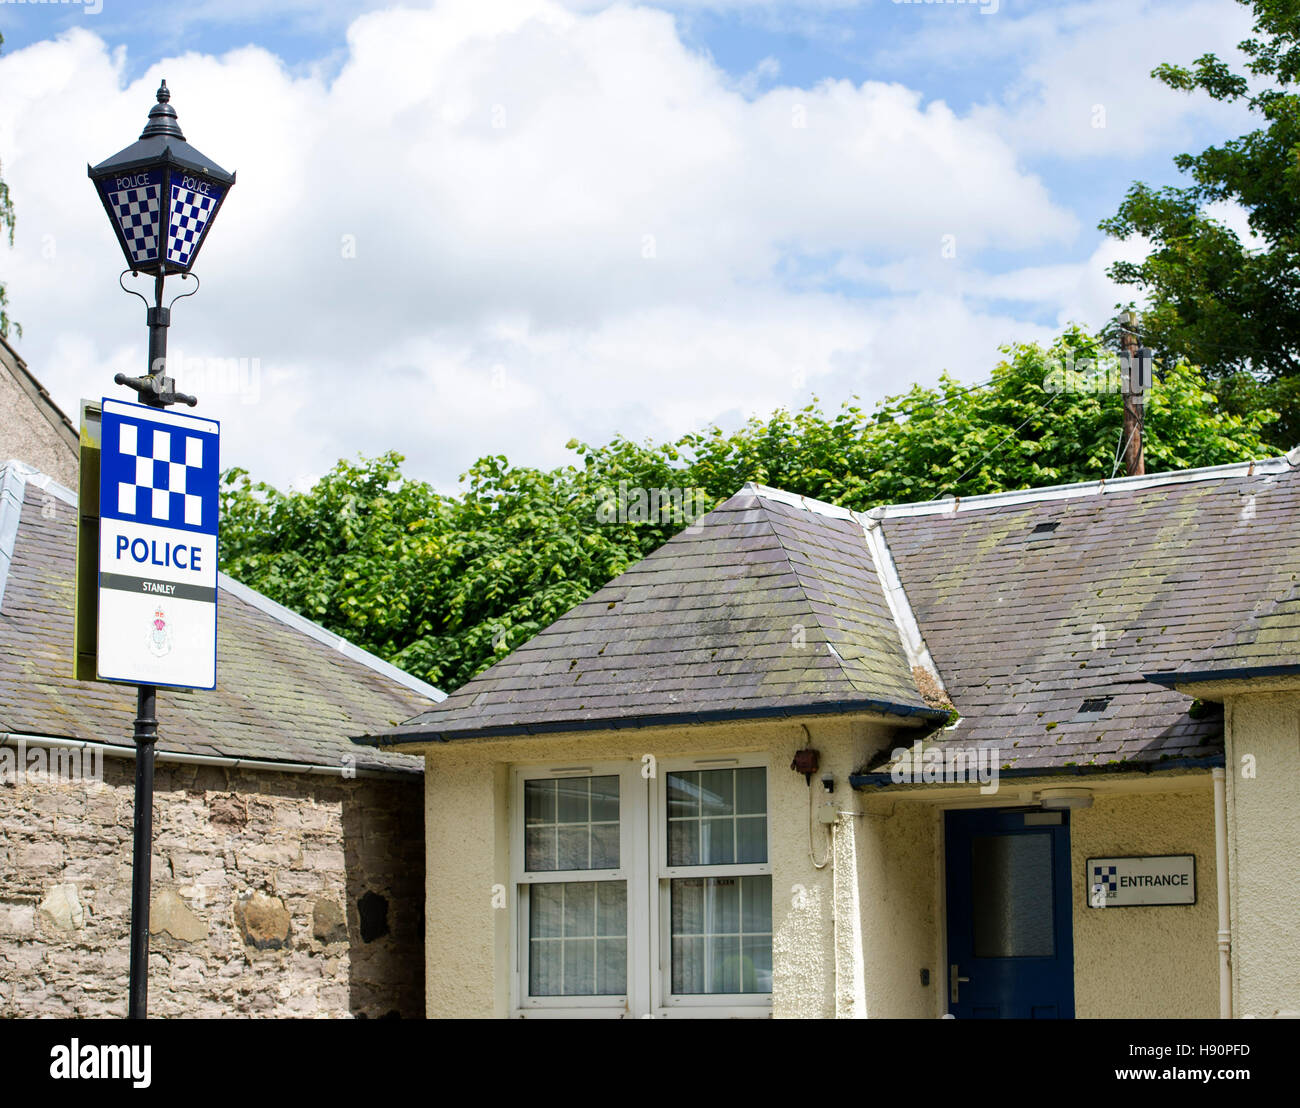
136	210
1105	875
190	213
161	491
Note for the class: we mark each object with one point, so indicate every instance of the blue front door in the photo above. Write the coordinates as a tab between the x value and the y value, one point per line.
1010	940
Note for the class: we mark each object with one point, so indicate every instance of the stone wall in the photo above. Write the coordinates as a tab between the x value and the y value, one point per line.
274	894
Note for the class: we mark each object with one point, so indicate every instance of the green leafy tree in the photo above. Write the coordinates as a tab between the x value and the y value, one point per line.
442	585
1230	306
6	228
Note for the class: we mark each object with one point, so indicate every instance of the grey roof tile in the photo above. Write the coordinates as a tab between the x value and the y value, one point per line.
281	695
758	593
1133	580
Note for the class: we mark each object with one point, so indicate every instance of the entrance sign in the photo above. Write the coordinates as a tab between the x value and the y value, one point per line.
158	503
1134	882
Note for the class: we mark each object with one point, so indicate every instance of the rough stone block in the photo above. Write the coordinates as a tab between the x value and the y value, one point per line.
263	920
61	910
169	914
328	922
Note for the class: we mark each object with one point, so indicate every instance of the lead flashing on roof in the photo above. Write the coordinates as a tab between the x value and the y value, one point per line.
951	505
900	608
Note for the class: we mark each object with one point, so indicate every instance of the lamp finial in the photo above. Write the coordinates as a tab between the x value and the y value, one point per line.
162	118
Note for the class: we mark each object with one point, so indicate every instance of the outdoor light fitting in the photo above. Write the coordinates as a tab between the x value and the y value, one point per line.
1057	799
161	194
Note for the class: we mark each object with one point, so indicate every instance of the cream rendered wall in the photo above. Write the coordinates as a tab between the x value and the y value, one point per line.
1264	848
1128	962
900	869
459	921
1152	962
866	957
469	960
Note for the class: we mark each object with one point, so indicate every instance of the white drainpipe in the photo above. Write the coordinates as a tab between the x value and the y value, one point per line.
1221	873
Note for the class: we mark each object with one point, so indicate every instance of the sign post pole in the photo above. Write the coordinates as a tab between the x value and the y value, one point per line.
146	735
158	478
146	720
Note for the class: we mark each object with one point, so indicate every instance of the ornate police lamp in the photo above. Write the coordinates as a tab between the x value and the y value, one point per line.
162	197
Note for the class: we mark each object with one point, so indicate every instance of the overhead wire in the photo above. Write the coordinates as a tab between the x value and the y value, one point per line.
1051	396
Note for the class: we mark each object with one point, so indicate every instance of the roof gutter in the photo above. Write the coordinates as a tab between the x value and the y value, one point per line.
112	750
932	716
885	780
1238	673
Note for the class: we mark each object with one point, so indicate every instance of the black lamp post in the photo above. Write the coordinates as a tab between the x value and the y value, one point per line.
162	197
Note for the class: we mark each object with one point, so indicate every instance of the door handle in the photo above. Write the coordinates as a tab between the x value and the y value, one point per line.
953	982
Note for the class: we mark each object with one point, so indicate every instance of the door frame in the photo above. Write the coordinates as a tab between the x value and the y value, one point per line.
1064	924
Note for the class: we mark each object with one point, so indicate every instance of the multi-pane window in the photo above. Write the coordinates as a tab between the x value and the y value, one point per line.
571	823
720	917
717	817
722	935
577	939
640	893
576	925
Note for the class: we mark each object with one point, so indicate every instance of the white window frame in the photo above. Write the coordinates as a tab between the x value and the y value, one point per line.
702	1004
643	857
631	814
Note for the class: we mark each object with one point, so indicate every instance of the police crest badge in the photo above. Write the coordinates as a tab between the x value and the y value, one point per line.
159	640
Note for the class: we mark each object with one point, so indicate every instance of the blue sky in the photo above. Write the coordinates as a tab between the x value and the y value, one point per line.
778	273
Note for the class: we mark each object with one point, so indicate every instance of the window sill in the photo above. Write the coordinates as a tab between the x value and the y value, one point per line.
698	1012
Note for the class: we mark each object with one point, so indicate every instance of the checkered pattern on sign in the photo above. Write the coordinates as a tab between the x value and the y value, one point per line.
1105	875
159	492
136	210
190	214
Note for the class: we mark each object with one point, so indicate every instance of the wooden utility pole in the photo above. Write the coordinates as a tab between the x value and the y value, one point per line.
1134	367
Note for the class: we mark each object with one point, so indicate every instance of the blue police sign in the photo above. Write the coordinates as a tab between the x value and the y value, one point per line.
158	501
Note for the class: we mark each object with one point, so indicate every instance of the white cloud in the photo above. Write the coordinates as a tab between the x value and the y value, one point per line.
1085	87
576	198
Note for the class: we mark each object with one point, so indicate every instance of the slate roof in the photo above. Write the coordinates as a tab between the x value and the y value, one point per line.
1136	576
1265	645
760	609
1041	610
287	690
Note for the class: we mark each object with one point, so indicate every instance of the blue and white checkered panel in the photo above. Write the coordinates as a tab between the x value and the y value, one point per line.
160	491
190	214
137	214
1105	875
